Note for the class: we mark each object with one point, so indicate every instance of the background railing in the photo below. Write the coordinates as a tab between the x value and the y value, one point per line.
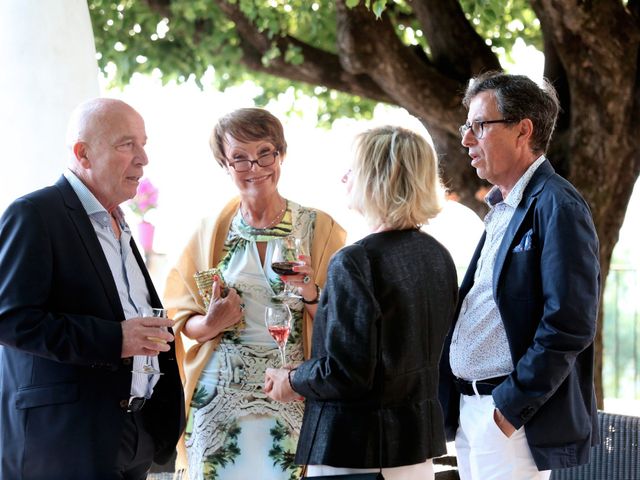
621	334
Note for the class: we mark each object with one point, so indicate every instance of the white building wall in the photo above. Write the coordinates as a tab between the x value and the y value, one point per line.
47	67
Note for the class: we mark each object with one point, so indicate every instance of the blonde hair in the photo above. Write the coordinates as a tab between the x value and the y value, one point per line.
395	178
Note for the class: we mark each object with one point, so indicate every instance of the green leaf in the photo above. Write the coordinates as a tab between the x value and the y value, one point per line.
378	7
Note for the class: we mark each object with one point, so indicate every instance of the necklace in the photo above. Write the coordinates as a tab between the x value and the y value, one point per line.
273	222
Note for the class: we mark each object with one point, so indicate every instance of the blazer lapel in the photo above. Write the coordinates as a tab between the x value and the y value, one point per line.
87	234
536	183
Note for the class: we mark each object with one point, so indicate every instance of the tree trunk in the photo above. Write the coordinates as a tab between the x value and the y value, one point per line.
599	143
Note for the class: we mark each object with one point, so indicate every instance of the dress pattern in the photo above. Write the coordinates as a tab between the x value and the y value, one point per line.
234	431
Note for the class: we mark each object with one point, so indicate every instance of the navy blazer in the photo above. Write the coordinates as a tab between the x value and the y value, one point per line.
371	384
546	284
62	380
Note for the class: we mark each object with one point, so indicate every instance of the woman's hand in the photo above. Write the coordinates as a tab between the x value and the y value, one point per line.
223	313
304	278
277	385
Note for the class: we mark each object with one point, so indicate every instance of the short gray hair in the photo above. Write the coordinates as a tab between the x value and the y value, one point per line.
518	97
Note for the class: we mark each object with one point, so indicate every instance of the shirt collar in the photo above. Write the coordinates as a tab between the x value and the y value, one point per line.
515	195
91	204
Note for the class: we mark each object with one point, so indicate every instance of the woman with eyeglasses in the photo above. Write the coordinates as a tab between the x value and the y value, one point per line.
234	430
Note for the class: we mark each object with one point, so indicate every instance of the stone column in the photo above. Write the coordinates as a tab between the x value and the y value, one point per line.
48	65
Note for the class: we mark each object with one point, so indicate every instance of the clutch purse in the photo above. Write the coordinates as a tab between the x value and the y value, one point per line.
204	282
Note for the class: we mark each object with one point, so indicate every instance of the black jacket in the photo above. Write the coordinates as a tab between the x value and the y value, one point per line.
377	339
62	380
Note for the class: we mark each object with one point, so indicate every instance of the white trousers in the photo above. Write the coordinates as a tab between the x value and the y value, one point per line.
419	471
484	452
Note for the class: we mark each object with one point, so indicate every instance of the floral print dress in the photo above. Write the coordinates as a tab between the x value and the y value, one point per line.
234	431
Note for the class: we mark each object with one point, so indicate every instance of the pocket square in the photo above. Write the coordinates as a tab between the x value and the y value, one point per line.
526	243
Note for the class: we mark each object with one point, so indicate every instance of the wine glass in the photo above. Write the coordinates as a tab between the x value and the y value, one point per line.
277	317
148	368
284	257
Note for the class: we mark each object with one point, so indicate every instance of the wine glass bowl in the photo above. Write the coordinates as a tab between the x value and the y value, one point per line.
147	368
277	318
284	257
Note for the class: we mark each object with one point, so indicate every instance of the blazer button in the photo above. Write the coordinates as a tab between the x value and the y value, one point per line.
526	413
126	361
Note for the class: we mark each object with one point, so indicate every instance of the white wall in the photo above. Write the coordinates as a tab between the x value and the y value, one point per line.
48	65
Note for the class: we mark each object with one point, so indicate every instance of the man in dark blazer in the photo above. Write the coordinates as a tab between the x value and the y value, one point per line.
517	369
72	284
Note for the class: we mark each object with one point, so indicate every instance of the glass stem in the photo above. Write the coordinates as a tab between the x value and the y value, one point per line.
282	355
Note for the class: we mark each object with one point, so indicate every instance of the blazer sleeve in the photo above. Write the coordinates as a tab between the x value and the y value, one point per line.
28	321
345	332
569	279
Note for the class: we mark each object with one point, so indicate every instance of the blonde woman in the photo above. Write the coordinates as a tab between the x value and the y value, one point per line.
370	385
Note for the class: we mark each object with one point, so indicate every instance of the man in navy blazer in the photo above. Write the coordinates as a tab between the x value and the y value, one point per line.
517	368
72	289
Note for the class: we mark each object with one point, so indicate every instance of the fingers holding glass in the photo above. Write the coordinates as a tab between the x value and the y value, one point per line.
285	256
148	367
304	278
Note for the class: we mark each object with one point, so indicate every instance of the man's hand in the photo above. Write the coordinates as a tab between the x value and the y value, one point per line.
502	423
138	336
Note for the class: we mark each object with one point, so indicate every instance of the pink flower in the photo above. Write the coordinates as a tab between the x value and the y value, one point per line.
146	198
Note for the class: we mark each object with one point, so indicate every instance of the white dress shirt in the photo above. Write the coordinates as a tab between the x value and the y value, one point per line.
127	275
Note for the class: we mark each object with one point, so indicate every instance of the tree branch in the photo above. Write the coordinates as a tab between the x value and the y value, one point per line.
319	67
367	44
463	58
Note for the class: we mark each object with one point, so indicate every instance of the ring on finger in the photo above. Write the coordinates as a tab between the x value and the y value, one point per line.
306	279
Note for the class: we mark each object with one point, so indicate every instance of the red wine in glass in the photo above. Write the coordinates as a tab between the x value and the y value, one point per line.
284	256
285	268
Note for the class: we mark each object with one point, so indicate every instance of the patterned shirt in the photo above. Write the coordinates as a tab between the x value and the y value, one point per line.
129	280
479	347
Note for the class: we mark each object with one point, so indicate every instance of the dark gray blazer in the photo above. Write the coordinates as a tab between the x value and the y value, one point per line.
389	297
62	380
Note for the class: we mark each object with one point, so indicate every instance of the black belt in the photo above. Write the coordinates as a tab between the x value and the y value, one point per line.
135	404
484	387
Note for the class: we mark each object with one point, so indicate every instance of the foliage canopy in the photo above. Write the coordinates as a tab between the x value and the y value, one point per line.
183	39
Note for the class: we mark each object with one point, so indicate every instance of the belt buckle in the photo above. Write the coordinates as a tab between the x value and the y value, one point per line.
135	404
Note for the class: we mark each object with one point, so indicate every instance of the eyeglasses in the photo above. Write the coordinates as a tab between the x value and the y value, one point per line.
243	164
477	126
